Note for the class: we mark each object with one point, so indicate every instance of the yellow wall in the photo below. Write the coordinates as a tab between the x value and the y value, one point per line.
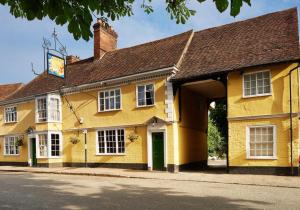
192	137
26	118
85	104
277	103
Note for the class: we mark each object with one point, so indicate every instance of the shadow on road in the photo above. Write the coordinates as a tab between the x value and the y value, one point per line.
31	191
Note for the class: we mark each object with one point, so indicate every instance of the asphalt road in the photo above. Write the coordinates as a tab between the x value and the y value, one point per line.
48	191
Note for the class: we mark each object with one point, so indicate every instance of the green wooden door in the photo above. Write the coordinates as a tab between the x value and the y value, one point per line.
158	151
33	152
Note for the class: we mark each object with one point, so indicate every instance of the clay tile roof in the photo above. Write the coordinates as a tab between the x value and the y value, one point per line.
9	89
42	84
262	40
266	39
127	61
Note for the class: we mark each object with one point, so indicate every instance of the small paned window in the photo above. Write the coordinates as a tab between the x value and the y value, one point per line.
145	95
257	84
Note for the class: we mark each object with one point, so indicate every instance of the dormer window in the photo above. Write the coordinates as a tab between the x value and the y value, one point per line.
48	109
10	114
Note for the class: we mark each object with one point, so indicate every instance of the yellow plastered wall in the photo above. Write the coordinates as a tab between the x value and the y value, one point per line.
192	137
130	116
135	152
26	118
277	103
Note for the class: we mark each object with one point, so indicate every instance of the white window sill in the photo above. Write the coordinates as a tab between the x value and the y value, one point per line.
146	106
48	122
259	95
110	154
10	122
262	158
54	157
110	110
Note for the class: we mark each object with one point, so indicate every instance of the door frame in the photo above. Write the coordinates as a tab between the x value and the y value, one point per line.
29	138
158	128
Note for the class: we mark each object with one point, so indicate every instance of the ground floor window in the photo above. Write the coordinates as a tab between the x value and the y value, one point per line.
111	141
49	144
10	145
261	141
42	145
55	145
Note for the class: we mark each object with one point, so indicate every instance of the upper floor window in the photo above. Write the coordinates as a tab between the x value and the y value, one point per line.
109	100
10	145
111	141
257	83
48	108
10	114
42	109
261	142
145	95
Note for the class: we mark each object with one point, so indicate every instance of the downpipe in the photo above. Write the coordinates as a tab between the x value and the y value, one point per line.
291	117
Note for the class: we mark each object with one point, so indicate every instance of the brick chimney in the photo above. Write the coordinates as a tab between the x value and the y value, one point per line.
105	39
72	59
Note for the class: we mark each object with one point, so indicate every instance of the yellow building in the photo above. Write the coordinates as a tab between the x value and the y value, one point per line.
146	106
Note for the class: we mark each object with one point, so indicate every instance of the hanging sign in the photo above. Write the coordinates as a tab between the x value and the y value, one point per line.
55	65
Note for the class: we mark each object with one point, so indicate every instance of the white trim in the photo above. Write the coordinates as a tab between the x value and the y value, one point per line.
37	119
19	148
37	145
108	90
158	128
48	110
274	142
257	95
105	143
60	145
6	107
137	96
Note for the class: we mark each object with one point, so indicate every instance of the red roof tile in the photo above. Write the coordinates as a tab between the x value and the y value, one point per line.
8	89
266	39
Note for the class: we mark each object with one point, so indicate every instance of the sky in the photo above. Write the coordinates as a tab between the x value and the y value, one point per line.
21	40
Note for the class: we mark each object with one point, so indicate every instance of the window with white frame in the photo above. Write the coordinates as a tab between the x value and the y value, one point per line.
54	109
10	145
257	83
110	100
48	108
261	141
55	144
42	109
10	114
42	145
111	141
145	95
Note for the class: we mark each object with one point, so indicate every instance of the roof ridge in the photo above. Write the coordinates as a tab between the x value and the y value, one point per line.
185	49
249	19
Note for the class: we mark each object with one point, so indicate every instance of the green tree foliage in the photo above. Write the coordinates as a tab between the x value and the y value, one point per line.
218	121
216	143
78	14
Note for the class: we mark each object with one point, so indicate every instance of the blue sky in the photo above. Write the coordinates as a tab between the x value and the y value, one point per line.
21	40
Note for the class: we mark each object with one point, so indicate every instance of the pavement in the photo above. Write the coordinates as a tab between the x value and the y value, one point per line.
195	176
23	190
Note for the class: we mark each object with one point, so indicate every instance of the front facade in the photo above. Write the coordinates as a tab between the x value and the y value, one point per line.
146	107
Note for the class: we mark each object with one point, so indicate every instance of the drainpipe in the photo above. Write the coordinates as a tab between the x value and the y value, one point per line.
291	119
85	148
